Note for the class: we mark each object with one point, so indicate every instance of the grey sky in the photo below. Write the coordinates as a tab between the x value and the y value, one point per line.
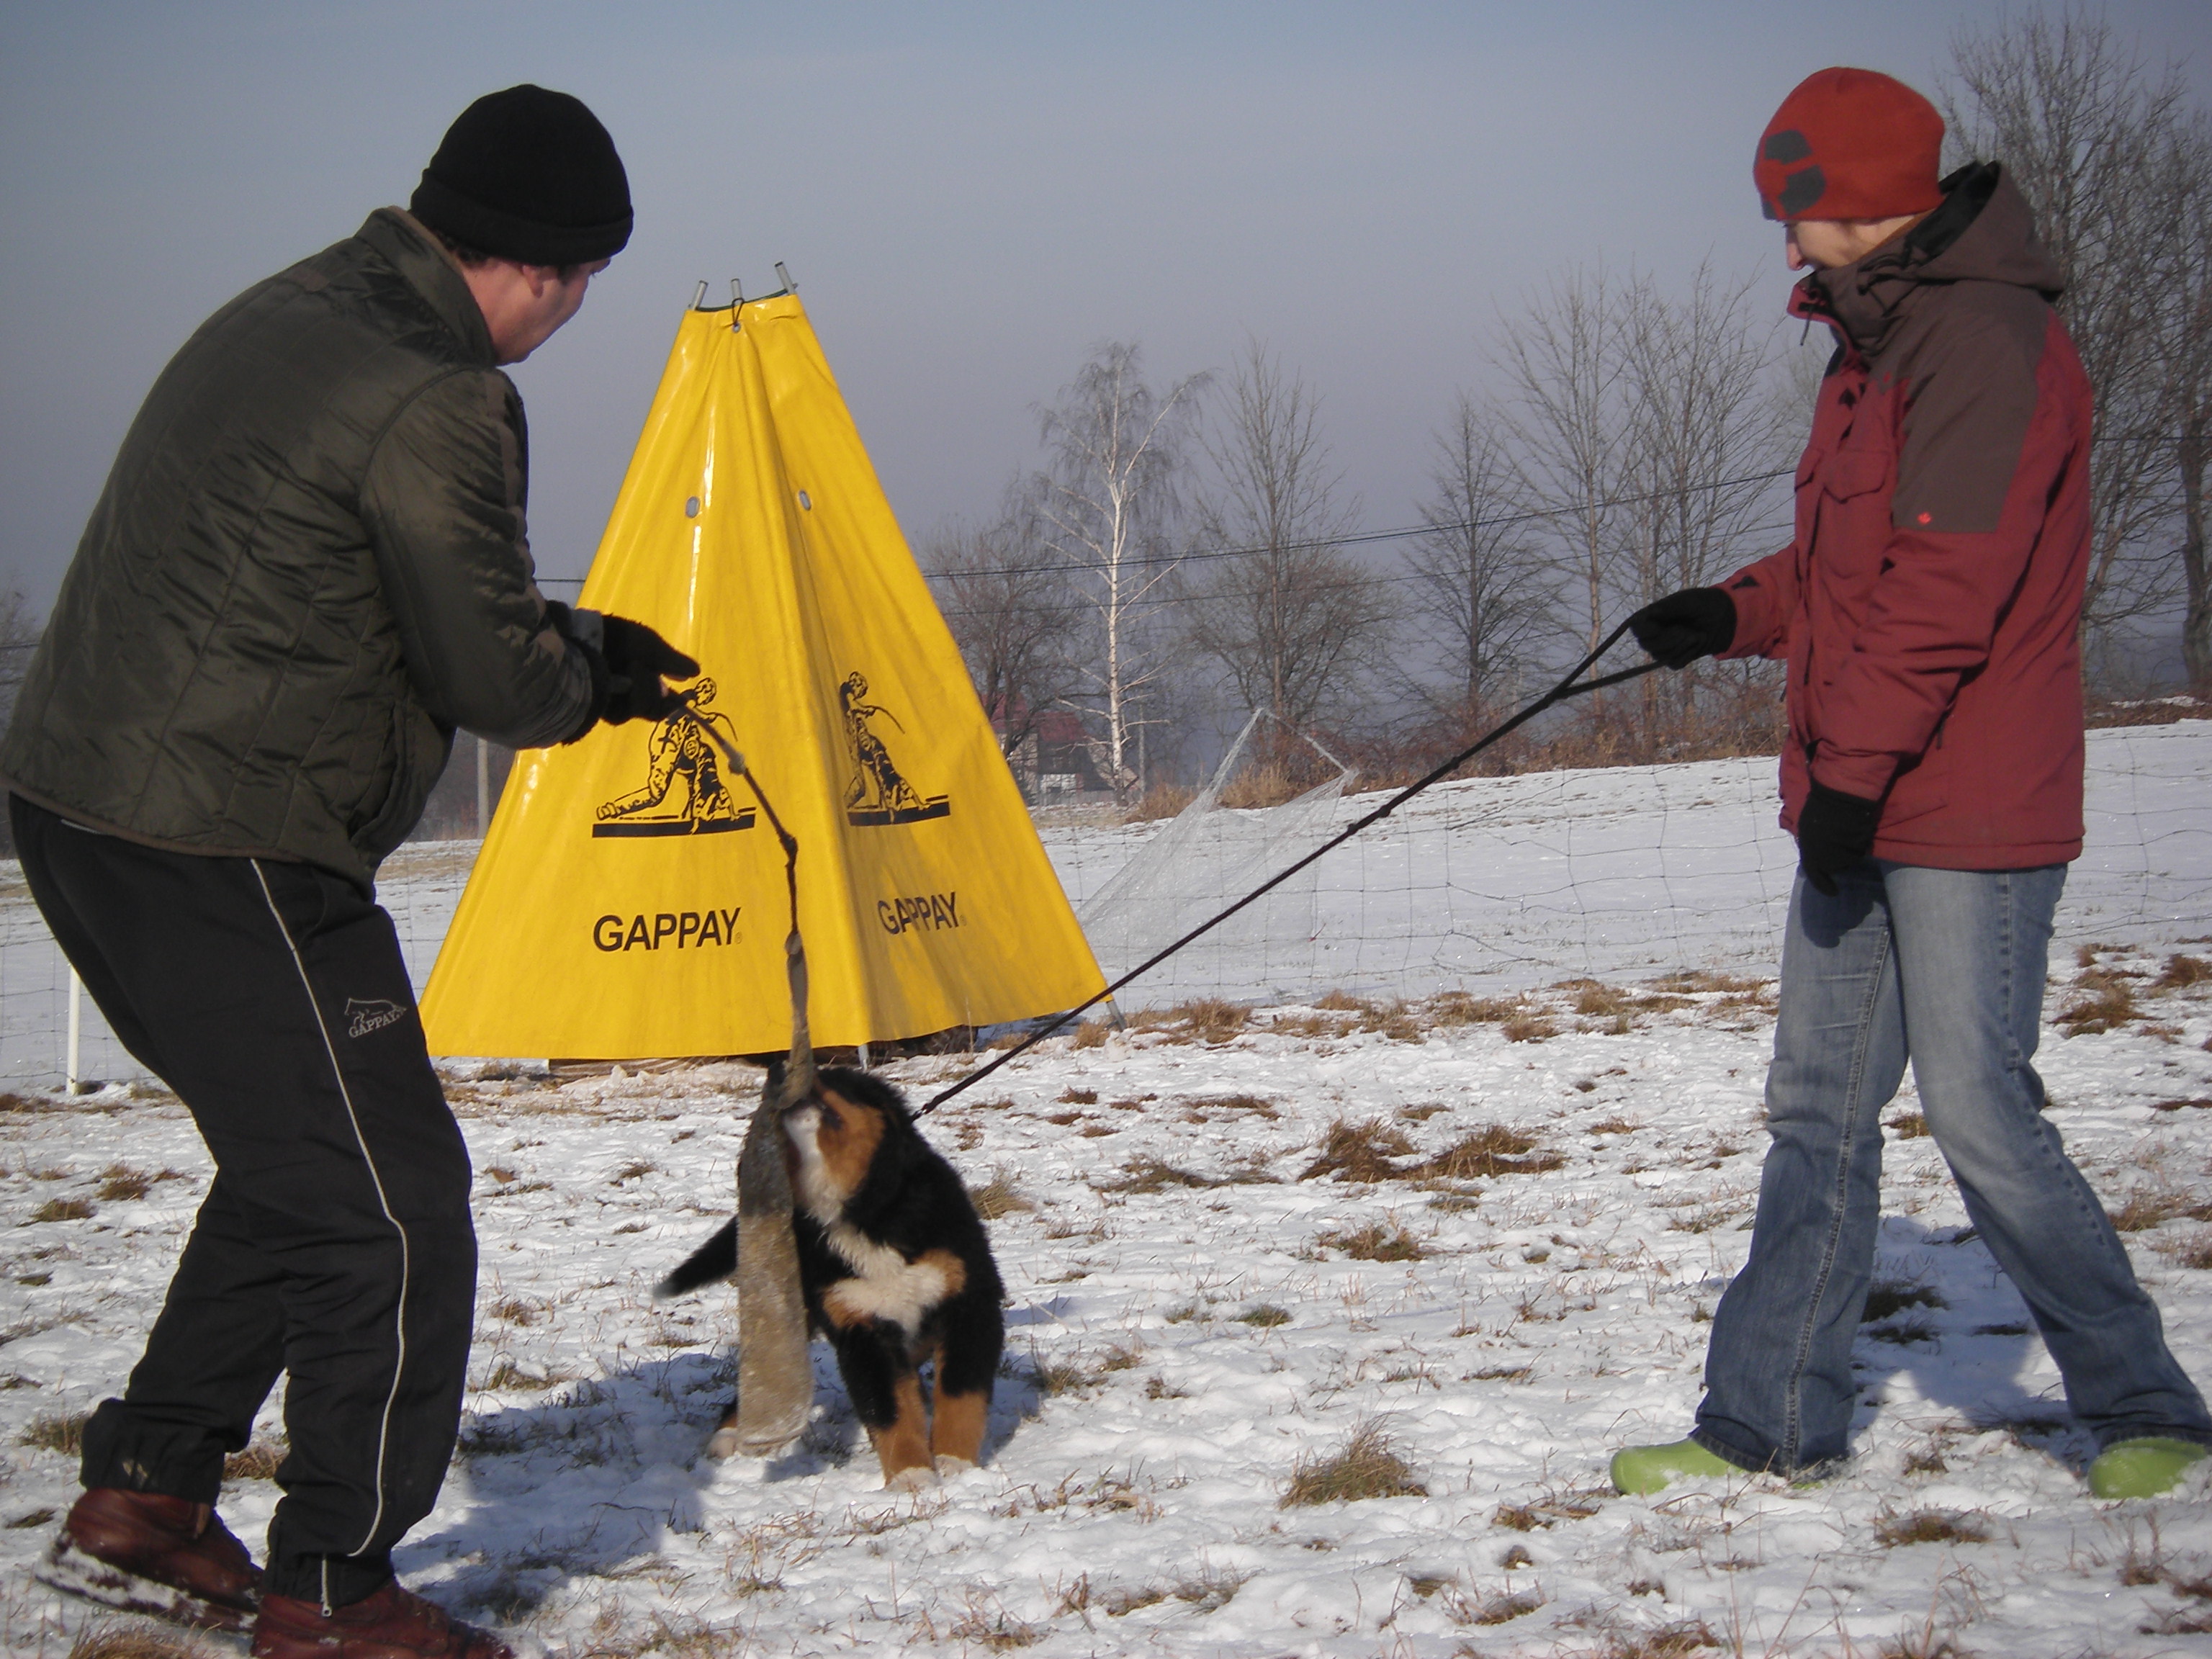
968	196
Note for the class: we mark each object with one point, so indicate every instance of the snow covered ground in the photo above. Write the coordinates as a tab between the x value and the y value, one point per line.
1200	1318
1193	1319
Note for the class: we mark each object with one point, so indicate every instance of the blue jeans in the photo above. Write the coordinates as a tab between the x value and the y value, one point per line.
1946	967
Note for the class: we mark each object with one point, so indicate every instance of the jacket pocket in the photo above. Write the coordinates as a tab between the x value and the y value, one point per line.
402	803
1853	472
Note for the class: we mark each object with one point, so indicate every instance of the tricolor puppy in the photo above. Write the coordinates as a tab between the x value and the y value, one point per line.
895	1268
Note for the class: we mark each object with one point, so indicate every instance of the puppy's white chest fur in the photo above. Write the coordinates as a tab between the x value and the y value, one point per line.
885	1284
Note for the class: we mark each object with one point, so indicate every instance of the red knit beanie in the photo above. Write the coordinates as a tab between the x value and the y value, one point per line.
1850	143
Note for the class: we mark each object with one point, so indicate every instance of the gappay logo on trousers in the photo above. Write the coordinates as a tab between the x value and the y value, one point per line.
878	793
685	793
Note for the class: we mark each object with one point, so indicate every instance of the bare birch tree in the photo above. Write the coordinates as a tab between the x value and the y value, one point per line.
1291	620
1109	502
2109	154
1483	593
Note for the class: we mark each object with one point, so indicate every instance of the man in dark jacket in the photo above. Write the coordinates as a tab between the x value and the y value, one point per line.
307	569
1928	611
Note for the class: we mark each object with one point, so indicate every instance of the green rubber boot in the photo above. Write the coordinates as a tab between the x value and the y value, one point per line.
2143	1468
1639	1469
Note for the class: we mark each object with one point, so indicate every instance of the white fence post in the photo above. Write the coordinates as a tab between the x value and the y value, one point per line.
76	1031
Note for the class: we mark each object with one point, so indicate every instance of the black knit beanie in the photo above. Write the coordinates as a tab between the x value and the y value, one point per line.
527	175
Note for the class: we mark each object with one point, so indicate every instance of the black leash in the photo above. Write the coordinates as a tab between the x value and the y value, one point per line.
1565	689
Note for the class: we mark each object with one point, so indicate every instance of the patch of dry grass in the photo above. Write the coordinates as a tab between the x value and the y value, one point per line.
1202	1020
54	1433
136	1641
63	1209
1147	1174
1266	1316
1542	1512
1252	1104
1909	1126
258	1462
1361	1151
1596	1000
1378	1241
1905	1333
1492	1149
1367	1466
1532	1025
1093	1034
2104	1001
2147	1207
999	1196
1930	1527
119	1182
995	1631
1495	1609
2182	971
1889	1298
1699	981
1074	1096
1677	1640
1458	1008
2195	1251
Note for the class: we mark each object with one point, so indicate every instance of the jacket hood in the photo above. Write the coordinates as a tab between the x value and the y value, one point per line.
1983	232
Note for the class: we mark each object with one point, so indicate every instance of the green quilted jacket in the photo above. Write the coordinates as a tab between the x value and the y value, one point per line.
308	567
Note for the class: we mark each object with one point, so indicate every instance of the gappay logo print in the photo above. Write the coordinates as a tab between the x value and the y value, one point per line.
684	791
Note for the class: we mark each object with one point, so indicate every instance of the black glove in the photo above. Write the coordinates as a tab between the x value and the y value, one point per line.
1685	626
637	660
1835	831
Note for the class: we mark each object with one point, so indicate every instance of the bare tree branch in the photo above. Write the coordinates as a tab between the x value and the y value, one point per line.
1293	625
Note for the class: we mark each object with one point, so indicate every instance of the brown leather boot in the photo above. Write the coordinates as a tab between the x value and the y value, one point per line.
389	1624
145	1552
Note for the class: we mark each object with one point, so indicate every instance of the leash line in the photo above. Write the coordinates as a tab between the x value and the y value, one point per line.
1565	689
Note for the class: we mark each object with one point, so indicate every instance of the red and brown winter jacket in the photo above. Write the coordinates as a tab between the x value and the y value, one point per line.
1929	606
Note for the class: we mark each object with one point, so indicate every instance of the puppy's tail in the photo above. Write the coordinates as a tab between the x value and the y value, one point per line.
716	1259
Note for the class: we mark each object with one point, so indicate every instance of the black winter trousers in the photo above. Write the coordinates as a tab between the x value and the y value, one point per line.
335	1243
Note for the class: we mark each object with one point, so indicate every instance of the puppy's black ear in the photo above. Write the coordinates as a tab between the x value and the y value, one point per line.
716	1259
870	1090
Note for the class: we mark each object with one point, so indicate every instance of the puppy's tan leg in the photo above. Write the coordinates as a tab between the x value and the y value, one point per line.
958	1432
725	1443
904	1445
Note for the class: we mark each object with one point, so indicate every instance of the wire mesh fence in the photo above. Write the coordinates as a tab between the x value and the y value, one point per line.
1494	884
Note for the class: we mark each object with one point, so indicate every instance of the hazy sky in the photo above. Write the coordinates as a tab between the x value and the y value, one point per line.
969	195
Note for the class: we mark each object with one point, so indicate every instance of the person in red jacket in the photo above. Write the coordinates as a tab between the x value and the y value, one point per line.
1929	610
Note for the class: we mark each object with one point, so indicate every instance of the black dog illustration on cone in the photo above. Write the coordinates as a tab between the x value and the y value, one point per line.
895	1270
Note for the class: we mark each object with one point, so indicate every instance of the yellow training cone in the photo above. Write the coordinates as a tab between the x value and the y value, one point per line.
630	902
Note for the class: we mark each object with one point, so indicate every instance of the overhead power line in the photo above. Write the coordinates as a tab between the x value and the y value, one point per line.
1362	537
1357	539
1351	583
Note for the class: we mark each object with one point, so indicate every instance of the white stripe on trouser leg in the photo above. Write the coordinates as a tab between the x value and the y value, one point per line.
399	1313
